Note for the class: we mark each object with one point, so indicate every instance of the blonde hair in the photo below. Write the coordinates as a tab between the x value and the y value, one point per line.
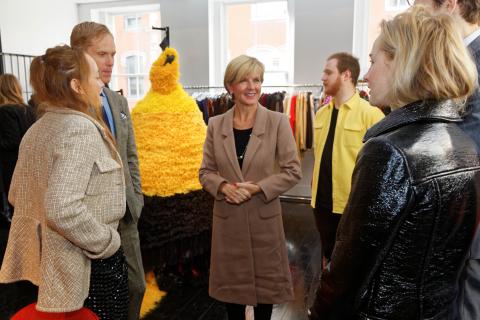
240	67
84	33
429	59
10	90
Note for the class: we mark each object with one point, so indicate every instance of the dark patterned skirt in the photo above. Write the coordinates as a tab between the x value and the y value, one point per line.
108	294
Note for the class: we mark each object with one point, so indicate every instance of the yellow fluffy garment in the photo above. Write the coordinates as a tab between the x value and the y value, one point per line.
169	131
153	295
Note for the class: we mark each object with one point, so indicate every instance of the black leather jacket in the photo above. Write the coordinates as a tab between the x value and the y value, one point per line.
409	221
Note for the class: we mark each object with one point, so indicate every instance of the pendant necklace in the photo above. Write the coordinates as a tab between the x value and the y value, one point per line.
240	157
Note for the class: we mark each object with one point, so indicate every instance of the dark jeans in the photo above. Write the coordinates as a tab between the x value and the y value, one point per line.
327	223
237	311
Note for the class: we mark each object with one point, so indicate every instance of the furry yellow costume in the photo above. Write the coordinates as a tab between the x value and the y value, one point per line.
169	131
176	219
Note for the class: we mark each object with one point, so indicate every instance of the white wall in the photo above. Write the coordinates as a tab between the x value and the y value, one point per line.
188	22
322	27
31	26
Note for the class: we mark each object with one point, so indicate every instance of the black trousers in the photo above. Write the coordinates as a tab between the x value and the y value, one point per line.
327	223
260	312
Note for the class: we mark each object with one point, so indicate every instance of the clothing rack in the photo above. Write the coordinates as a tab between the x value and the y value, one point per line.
309	85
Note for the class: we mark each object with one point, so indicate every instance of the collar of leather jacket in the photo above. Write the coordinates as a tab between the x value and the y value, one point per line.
424	111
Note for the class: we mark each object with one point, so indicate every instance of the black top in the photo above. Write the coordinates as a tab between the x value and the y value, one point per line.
241	142
324	200
14	122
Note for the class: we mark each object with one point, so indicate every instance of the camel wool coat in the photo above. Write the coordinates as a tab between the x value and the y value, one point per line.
249	262
68	190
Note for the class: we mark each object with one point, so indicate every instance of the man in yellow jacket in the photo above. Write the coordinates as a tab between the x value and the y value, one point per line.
339	128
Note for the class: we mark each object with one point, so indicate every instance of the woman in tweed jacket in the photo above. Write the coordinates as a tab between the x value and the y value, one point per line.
68	193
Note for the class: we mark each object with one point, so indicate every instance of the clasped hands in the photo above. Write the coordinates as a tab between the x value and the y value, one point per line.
240	192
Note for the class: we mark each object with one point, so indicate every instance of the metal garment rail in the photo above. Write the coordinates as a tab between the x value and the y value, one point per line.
309	85
19	66
295	199
361	84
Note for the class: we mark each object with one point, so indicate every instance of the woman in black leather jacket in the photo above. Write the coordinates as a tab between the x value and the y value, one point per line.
411	216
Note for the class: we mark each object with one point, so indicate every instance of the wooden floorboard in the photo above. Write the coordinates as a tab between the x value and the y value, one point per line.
305	261
189	300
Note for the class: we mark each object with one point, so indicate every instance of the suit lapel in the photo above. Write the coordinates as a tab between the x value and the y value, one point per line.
255	140
474	46
229	143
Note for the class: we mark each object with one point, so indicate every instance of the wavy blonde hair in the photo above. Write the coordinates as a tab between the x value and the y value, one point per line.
429	58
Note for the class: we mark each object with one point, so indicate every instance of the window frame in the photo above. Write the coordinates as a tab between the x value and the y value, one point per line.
139	75
256	17
138	24
397	6
102	12
218	38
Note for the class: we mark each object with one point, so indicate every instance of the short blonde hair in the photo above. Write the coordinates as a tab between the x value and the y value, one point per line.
429	58
240	67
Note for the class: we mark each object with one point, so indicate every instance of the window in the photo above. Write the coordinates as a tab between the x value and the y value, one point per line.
256	28
135	66
269	11
367	17
274	61
395	5
137	44
132	23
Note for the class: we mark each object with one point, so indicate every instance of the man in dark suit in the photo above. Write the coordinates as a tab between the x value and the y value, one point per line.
97	41
466	14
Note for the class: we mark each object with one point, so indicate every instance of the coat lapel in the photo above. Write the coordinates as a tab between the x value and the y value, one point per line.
256	138
229	143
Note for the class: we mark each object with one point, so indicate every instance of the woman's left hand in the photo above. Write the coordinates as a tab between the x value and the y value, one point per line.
250	186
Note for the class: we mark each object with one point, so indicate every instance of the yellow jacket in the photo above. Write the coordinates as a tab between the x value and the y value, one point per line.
355	117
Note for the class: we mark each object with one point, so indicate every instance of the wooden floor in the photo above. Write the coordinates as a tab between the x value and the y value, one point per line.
190	300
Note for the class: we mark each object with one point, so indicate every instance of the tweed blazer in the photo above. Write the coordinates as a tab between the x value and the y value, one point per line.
249	261
128	151
68	191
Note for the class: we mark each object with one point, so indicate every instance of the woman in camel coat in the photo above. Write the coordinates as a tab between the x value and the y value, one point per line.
249	159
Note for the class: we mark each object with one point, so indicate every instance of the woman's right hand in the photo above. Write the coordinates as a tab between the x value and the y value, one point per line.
234	194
